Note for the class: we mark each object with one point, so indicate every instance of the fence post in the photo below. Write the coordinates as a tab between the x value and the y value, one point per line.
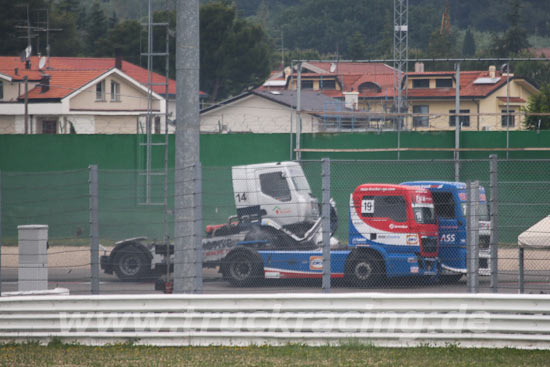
325	215
521	280
0	233
472	236
493	206
198	227
94	229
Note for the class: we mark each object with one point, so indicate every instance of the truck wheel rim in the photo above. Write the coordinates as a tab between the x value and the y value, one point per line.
129	265
363	270
241	269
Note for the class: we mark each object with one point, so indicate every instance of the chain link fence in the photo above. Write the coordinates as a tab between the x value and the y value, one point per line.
310	226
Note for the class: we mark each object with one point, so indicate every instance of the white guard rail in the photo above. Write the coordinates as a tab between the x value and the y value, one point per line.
467	320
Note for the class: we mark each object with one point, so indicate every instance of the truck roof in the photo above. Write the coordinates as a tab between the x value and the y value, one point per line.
387	187
269	165
437	184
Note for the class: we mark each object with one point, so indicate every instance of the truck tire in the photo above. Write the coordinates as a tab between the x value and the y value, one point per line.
130	264
364	270
450	278
243	269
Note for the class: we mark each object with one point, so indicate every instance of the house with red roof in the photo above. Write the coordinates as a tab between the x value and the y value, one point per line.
80	95
490	99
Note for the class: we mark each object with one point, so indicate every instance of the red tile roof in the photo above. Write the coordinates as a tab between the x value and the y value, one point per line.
68	74
351	75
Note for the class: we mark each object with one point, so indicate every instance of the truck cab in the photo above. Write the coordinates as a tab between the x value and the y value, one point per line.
450	200
396	223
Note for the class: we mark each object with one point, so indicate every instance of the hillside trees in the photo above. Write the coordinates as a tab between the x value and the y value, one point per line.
539	103
234	53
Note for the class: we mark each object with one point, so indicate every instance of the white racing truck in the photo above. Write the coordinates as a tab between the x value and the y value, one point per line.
275	210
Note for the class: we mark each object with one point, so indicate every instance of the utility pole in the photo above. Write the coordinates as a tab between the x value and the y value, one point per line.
457	123
26	79
187	146
400	63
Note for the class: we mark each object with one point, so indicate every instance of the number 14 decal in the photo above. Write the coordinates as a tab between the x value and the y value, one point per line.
241	196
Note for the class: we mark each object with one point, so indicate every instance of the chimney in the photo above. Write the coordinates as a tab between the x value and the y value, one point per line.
45	83
351	100
492	71
28	64
118	58
16	71
419	67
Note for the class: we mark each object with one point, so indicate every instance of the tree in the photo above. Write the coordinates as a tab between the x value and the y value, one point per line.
66	42
539	103
356	47
126	36
96	26
469	44
514	39
234	52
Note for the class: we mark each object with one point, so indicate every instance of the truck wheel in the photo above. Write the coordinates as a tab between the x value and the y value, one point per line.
450	279
130	264
243	269
364	271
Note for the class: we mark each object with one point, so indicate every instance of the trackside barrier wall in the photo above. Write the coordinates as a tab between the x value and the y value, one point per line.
489	320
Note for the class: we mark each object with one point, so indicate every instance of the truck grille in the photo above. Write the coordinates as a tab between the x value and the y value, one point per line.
429	244
484	242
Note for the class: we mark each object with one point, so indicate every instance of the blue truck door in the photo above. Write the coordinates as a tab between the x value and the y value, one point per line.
452	250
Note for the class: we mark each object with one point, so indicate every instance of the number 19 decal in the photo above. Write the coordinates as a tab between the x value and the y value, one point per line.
367	206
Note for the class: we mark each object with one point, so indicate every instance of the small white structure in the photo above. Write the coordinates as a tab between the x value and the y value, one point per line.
33	257
536	237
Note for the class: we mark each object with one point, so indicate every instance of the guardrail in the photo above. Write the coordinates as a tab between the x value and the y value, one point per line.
467	320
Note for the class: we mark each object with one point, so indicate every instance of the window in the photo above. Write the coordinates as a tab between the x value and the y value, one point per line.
391	207
421	83
504	118
464	120
444	204
443	83
421	121
307	84
157	124
328	84
275	185
115	91
1	90
100	91
49	127
369	87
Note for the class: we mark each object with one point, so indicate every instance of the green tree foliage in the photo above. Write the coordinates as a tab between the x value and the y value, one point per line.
96	26
14	13
539	103
126	36
234	52
514	39
356	48
66	42
469	44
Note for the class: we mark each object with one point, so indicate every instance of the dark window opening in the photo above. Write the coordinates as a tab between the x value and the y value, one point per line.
464	120
369	87
507	118
392	207
443	83
421	83
49	127
307	84
421	121
327	84
157	124
444	204
274	184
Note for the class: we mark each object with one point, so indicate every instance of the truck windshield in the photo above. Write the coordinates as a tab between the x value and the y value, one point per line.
424	214
299	180
482	213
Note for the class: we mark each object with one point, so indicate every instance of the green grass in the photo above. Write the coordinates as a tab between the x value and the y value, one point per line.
59	354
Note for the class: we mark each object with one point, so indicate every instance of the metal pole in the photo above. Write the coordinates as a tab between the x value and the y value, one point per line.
187	142
508	109
198	227
0	233
473	236
26	79
493	243
149	123
325	215
521	270
94	229
291	131
299	113
457	123
166	141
